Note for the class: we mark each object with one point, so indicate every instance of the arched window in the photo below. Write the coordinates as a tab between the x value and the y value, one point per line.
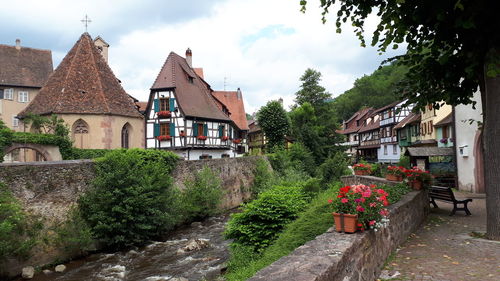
80	132
126	130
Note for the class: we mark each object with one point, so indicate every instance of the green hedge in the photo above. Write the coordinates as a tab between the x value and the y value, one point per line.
263	219
64	143
80	153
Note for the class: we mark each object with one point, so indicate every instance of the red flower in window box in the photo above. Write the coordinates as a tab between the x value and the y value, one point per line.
164	114
202	138
224	138
164	138
237	141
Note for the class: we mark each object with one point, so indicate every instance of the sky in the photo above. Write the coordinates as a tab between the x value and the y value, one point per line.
260	46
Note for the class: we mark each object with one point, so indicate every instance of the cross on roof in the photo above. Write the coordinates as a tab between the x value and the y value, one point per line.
86	22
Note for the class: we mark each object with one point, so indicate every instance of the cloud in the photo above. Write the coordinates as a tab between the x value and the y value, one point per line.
261	46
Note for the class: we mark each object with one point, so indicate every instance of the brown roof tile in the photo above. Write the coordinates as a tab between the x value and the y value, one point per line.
411	118
83	83
445	121
373	125
24	66
233	100
194	98
358	116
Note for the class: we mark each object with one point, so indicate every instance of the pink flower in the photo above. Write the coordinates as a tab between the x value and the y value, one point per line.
330	201
360	209
344	200
372	222
373	204
357	200
367	193
384	212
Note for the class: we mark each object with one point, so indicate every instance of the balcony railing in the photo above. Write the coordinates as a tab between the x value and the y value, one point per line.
350	143
370	142
387	121
388	139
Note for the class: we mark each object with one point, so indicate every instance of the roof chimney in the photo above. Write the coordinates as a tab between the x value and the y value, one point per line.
238	93
189	57
18	44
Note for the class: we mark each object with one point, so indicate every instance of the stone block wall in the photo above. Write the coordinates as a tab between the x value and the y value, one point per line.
366	180
335	256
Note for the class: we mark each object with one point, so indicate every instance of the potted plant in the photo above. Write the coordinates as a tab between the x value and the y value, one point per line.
361	169
164	138
359	206
164	114
395	173
418	178
224	138
203	138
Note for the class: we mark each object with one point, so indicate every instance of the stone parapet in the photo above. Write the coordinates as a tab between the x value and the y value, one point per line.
335	256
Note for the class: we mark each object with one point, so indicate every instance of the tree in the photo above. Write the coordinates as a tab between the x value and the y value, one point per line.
275	124
311	91
453	48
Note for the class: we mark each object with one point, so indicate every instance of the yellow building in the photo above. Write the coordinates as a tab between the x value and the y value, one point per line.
85	93
23	71
430	116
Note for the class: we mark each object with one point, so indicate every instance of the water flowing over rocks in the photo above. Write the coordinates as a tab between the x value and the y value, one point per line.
204	255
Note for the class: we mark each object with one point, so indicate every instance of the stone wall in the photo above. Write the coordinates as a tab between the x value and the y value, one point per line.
49	189
335	256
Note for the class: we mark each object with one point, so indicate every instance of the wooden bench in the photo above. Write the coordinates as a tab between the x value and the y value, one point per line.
446	194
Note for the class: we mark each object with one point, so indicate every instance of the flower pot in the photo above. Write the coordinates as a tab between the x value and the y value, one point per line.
416	185
361	172
391	177
345	222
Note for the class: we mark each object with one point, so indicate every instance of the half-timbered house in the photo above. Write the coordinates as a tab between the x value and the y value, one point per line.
390	116
184	116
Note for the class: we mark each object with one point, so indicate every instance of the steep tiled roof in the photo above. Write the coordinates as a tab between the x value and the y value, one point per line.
445	121
142	105
192	92
411	118
359	115
24	66
83	83
233	100
393	104
372	125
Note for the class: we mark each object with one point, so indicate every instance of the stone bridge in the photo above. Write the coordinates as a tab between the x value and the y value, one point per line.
48	152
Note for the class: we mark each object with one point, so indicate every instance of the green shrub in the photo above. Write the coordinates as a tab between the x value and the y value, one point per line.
261	220
404	161
132	199
396	191
263	177
315	220
5	138
64	143
280	161
333	168
18	234
202	195
79	153
73	235
302	158
312	186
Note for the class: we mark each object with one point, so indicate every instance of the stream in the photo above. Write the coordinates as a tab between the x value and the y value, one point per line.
159	261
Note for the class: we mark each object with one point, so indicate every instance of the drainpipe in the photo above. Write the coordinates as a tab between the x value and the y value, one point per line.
454	130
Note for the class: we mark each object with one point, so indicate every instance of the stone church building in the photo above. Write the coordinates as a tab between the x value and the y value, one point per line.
85	93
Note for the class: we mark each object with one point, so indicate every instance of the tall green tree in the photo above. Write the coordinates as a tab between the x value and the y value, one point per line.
453	48
275	124
310	90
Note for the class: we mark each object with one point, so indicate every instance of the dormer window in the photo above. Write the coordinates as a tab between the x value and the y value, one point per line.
190	79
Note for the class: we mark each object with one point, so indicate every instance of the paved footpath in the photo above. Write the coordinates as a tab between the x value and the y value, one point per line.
443	249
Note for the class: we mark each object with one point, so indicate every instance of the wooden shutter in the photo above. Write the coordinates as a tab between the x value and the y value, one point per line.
205	130
172	129
156	130
172	104
221	131
156	105
195	129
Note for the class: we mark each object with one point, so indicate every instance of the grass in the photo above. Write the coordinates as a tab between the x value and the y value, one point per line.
244	263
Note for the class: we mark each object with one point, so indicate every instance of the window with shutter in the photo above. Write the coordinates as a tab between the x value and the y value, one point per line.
221	131
156	130
205	130
156	104
1	93
172	129
172	104
164	129
164	104
195	129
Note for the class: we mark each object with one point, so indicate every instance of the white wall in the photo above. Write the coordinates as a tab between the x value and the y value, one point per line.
465	136
390	157
195	154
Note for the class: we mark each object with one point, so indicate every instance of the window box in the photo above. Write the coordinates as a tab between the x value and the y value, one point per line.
202	138
164	138
224	138
164	114
237	141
